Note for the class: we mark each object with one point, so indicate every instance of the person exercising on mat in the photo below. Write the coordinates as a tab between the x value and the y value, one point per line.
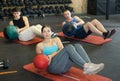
84	29
25	31
61	58
20	21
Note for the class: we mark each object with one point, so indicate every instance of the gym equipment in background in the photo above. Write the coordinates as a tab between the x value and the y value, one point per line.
4	64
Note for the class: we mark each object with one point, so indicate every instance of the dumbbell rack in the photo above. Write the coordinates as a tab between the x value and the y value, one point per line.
34	7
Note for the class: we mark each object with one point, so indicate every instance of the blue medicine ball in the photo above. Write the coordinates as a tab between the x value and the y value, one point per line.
10	33
69	29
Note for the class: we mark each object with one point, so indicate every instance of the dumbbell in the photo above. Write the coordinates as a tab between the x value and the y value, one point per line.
4	64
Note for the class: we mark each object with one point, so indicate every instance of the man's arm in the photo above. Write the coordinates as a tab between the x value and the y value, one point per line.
80	21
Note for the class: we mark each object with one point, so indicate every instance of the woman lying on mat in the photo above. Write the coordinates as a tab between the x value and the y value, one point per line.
61	58
25	31
74	26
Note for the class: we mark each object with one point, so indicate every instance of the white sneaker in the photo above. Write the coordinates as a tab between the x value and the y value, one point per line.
54	35
91	68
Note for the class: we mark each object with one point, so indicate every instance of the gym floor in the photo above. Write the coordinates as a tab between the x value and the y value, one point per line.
19	55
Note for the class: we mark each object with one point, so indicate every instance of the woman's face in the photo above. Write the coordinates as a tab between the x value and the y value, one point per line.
47	33
67	14
16	14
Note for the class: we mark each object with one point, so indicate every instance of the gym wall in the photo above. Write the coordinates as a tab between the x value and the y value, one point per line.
79	6
98	7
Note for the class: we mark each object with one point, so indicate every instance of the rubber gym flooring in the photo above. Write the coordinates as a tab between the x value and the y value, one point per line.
19	55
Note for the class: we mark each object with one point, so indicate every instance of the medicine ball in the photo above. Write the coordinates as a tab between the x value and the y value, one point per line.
10	33
69	28
41	61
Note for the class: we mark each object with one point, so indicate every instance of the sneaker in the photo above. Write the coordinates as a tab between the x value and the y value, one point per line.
105	34
91	68
112	32
54	35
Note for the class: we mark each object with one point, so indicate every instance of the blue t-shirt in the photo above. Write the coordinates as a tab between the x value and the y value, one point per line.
50	49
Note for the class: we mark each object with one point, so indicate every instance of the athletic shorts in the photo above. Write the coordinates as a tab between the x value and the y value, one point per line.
81	33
